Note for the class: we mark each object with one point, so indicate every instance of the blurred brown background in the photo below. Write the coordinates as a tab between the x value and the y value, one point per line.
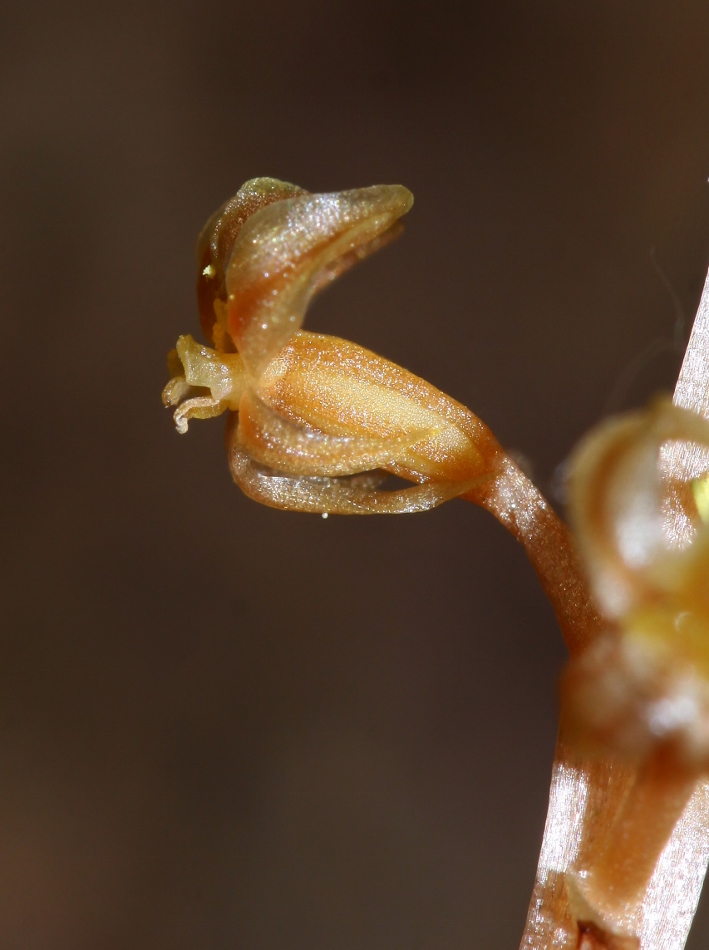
223	726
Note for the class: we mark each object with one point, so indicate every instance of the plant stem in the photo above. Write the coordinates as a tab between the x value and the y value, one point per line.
626	850
587	795
523	510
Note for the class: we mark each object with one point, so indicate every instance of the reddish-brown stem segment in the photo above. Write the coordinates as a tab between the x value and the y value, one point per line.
522	509
627	849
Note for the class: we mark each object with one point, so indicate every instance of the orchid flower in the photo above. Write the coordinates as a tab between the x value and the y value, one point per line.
317	424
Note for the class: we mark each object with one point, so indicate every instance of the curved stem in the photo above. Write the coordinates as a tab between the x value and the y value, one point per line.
522	509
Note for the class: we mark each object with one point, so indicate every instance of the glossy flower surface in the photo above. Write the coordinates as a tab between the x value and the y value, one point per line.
319	422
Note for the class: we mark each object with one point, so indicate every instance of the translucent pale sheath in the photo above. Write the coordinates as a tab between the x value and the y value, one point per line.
585	792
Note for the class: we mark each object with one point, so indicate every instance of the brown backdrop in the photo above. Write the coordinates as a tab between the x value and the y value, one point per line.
227	727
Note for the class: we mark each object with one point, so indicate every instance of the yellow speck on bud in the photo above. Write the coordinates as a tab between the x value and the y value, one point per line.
700	492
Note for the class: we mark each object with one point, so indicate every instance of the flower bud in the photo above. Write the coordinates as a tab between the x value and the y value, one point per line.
646	684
